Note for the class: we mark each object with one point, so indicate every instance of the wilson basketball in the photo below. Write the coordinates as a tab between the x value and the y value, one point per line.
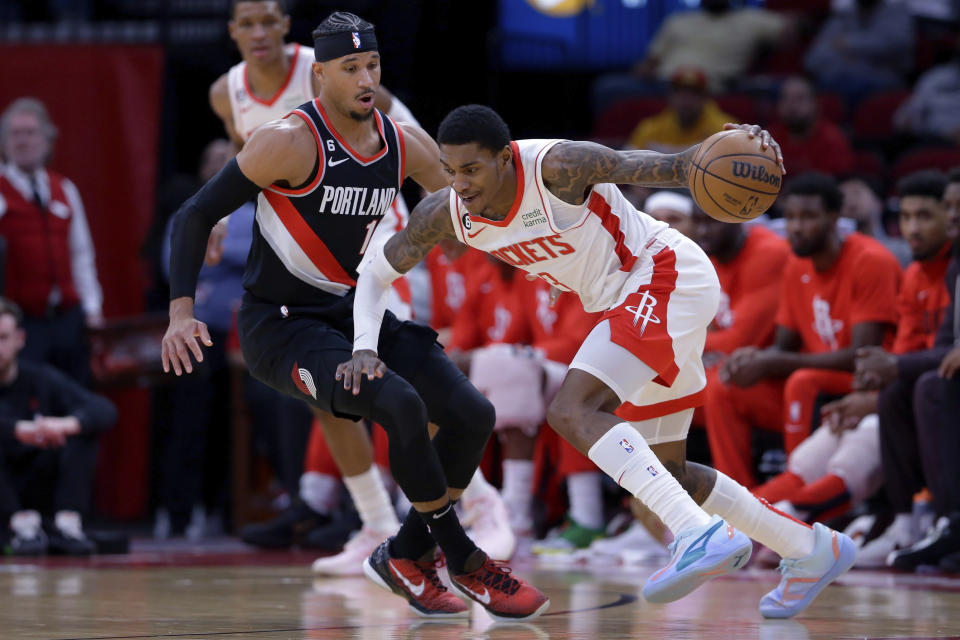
732	178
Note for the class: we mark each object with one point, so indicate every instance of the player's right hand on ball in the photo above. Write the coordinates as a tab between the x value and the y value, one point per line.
182	338
353	370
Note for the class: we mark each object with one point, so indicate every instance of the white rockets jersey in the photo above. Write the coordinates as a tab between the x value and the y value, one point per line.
249	111
590	249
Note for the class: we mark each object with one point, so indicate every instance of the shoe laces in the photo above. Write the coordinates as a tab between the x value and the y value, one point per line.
496	575
429	570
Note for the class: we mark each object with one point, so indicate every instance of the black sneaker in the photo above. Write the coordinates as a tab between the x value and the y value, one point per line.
416	581
35	545
70	545
942	540
332	536
950	562
287	529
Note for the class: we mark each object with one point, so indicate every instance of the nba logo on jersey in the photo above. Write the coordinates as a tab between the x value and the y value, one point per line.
356	40
626	445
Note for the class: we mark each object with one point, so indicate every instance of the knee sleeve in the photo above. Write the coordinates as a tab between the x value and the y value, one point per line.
857	459
809	459
464	432
413	461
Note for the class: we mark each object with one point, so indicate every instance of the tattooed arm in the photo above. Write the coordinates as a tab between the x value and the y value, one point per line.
429	223
571	168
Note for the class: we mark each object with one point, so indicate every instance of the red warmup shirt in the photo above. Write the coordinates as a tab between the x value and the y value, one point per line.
824	306
922	302
749	293
826	149
492	312
557	331
448	284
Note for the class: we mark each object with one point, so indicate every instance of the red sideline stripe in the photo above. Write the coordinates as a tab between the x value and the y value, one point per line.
611	223
638	413
311	244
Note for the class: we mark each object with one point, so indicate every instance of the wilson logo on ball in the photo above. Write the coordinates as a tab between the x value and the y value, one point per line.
754	172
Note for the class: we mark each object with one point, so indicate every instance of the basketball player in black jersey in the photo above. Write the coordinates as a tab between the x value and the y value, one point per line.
323	177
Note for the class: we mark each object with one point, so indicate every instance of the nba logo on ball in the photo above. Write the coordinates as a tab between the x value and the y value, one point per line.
626	445
356	40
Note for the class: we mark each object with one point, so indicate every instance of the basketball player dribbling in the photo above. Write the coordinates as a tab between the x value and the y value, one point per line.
324	176
552	208
272	80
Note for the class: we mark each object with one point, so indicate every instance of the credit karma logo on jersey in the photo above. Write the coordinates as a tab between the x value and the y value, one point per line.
530	251
356	201
755	172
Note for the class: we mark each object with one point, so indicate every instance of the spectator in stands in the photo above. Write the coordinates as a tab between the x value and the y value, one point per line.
951	200
864	48
933	109
720	39
809	141
827	310
673	207
839	465
918	435
863	204
49	427
690	117
50	270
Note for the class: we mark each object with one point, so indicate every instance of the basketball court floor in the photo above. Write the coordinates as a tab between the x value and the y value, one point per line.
226	591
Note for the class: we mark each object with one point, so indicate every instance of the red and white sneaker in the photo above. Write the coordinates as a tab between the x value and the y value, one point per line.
504	596
415	581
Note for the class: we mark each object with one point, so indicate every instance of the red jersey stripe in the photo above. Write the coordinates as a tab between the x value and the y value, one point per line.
637	413
308	241
346	146
599	206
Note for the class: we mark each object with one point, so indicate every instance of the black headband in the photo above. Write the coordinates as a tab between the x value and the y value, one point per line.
337	45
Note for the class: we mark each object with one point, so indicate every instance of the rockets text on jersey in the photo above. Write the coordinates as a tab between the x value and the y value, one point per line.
590	249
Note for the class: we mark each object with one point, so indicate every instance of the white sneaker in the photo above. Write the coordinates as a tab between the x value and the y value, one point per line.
636	541
489	525
349	562
860	527
899	535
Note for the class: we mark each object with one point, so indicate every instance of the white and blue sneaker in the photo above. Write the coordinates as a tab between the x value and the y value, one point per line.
697	555
803	578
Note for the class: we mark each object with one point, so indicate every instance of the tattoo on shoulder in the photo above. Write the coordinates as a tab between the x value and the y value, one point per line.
571	168
429	224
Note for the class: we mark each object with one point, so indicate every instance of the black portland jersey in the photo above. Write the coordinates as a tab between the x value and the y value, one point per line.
308	242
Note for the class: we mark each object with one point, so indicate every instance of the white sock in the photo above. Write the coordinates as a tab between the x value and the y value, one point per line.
586	499
477	487
624	455
517	492
755	517
320	491
372	501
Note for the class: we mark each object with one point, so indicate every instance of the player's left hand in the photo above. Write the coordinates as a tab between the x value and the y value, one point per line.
847	412
950	364
745	367
766	140
874	368
353	370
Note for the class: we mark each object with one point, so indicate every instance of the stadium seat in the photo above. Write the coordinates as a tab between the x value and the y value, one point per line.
873	118
869	163
943	158
741	105
832	108
616	122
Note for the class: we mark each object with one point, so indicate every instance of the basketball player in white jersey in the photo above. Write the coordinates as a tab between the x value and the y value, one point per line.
273	79
552	208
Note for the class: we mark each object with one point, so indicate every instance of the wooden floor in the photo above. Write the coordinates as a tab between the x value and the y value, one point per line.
238	594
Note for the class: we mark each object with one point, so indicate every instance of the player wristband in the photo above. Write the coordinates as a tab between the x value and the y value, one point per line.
337	45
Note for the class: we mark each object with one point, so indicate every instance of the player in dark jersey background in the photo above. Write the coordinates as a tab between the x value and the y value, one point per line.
323	177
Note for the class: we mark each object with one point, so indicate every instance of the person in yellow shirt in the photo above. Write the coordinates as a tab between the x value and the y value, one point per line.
691	116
